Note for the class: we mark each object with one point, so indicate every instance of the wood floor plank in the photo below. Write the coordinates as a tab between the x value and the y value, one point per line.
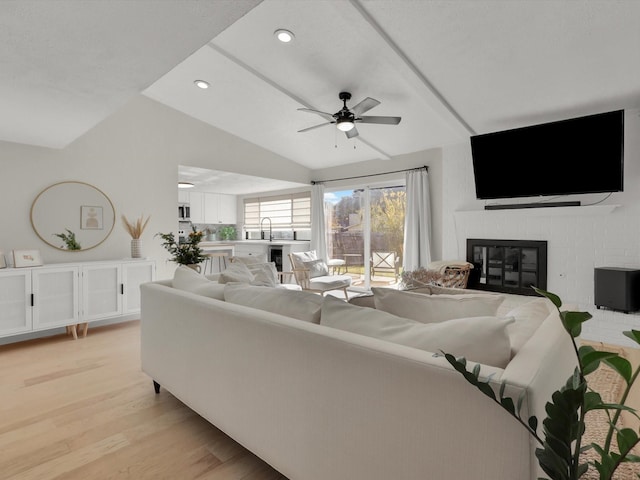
83	409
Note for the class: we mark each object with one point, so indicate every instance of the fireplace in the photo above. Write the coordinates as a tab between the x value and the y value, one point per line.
508	266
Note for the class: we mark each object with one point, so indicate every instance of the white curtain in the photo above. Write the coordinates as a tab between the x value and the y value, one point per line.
318	224
417	226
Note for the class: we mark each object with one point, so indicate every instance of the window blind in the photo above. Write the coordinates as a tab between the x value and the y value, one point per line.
287	212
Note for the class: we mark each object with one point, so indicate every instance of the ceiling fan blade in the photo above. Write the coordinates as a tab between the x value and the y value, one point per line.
365	105
352	133
315	126
380	120
326	115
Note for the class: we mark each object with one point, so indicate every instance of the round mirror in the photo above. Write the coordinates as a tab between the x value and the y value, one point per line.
72	216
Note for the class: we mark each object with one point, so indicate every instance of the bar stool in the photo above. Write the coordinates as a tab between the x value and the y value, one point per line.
208	262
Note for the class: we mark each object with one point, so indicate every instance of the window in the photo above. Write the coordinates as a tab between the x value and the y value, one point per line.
287	212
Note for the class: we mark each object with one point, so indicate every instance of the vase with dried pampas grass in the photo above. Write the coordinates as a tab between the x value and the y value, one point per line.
135	229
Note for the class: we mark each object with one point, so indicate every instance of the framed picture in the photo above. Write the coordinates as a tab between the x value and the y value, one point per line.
26	258
3	261
90	217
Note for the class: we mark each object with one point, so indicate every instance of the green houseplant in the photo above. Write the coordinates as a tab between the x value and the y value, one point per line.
69	240
560	445
187	253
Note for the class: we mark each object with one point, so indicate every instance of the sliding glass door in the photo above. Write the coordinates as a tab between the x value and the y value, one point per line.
365	231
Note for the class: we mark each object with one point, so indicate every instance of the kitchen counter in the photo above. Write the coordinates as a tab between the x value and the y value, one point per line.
253	242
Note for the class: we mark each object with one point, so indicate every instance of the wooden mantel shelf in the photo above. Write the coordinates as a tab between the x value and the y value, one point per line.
578	211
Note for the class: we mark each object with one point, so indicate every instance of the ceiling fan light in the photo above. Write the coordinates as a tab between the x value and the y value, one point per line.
345	125
185	185
285	36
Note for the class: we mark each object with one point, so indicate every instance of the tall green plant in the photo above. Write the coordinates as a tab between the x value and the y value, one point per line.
186	253
560	445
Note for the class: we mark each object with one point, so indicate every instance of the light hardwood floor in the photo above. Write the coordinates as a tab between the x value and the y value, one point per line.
83	409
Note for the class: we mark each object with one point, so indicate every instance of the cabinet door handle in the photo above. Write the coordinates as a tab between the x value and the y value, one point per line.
33	299
122	289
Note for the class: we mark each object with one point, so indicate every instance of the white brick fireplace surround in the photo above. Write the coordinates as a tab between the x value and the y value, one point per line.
580	239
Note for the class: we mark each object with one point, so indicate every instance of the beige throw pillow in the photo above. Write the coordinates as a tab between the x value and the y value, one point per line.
435	308
236	272
266	274
300	257
290	303
317	268
478	339
187	279
528	318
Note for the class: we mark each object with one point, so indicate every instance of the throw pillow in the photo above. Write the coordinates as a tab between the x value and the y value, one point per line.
236	272
317	268
528	318
478	339
188	279
265	274
290	303
300	257
435	308
250	259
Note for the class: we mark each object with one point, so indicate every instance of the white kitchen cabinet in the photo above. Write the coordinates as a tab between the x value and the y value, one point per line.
57	295
242	250
183	196
227	209
218	208
196	202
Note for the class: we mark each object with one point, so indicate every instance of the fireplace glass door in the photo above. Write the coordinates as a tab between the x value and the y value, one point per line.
510	266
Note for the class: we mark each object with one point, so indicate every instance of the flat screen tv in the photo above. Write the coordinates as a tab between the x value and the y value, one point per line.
579	155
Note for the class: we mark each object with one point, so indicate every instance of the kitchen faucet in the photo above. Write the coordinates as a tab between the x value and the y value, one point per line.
262	231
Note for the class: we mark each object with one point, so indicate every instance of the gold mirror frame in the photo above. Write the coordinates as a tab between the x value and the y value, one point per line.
76	208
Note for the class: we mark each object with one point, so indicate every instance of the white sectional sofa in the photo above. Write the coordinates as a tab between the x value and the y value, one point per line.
318	402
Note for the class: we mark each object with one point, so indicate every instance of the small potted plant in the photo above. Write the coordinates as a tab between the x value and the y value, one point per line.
187	253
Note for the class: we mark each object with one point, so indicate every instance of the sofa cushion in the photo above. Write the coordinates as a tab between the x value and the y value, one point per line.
479	339
185	278
317	268
528	318
435	308
329	282
291	303
265	274
236	272
300	257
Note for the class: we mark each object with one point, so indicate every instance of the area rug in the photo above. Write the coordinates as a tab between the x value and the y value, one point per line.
610	386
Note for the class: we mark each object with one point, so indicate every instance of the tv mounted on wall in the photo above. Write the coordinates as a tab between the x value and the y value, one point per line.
575	156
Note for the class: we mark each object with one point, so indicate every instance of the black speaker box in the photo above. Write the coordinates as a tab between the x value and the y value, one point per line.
617	288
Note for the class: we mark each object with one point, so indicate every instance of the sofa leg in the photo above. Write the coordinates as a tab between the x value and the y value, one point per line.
156	387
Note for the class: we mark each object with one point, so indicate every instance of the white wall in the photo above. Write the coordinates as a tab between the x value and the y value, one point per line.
133	157
579	239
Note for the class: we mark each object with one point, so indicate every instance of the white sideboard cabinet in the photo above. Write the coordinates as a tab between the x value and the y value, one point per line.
58	295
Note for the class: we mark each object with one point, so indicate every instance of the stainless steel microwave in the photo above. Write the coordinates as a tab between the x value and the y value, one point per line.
184	211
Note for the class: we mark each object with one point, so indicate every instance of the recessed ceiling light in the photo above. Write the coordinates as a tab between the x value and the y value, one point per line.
185	185
201	84
285	36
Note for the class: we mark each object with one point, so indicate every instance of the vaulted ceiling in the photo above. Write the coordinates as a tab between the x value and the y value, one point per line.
448	68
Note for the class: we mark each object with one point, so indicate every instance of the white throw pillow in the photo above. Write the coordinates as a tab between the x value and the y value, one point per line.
300	257
528	318
266	274
236	272
478	339
290	303
187	279
317	268
435	308
250	259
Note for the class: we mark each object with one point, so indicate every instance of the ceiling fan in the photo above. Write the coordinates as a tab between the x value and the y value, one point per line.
346	119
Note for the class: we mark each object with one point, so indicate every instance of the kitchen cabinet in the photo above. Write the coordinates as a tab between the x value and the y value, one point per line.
183	196
212	208
196	202
58	295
